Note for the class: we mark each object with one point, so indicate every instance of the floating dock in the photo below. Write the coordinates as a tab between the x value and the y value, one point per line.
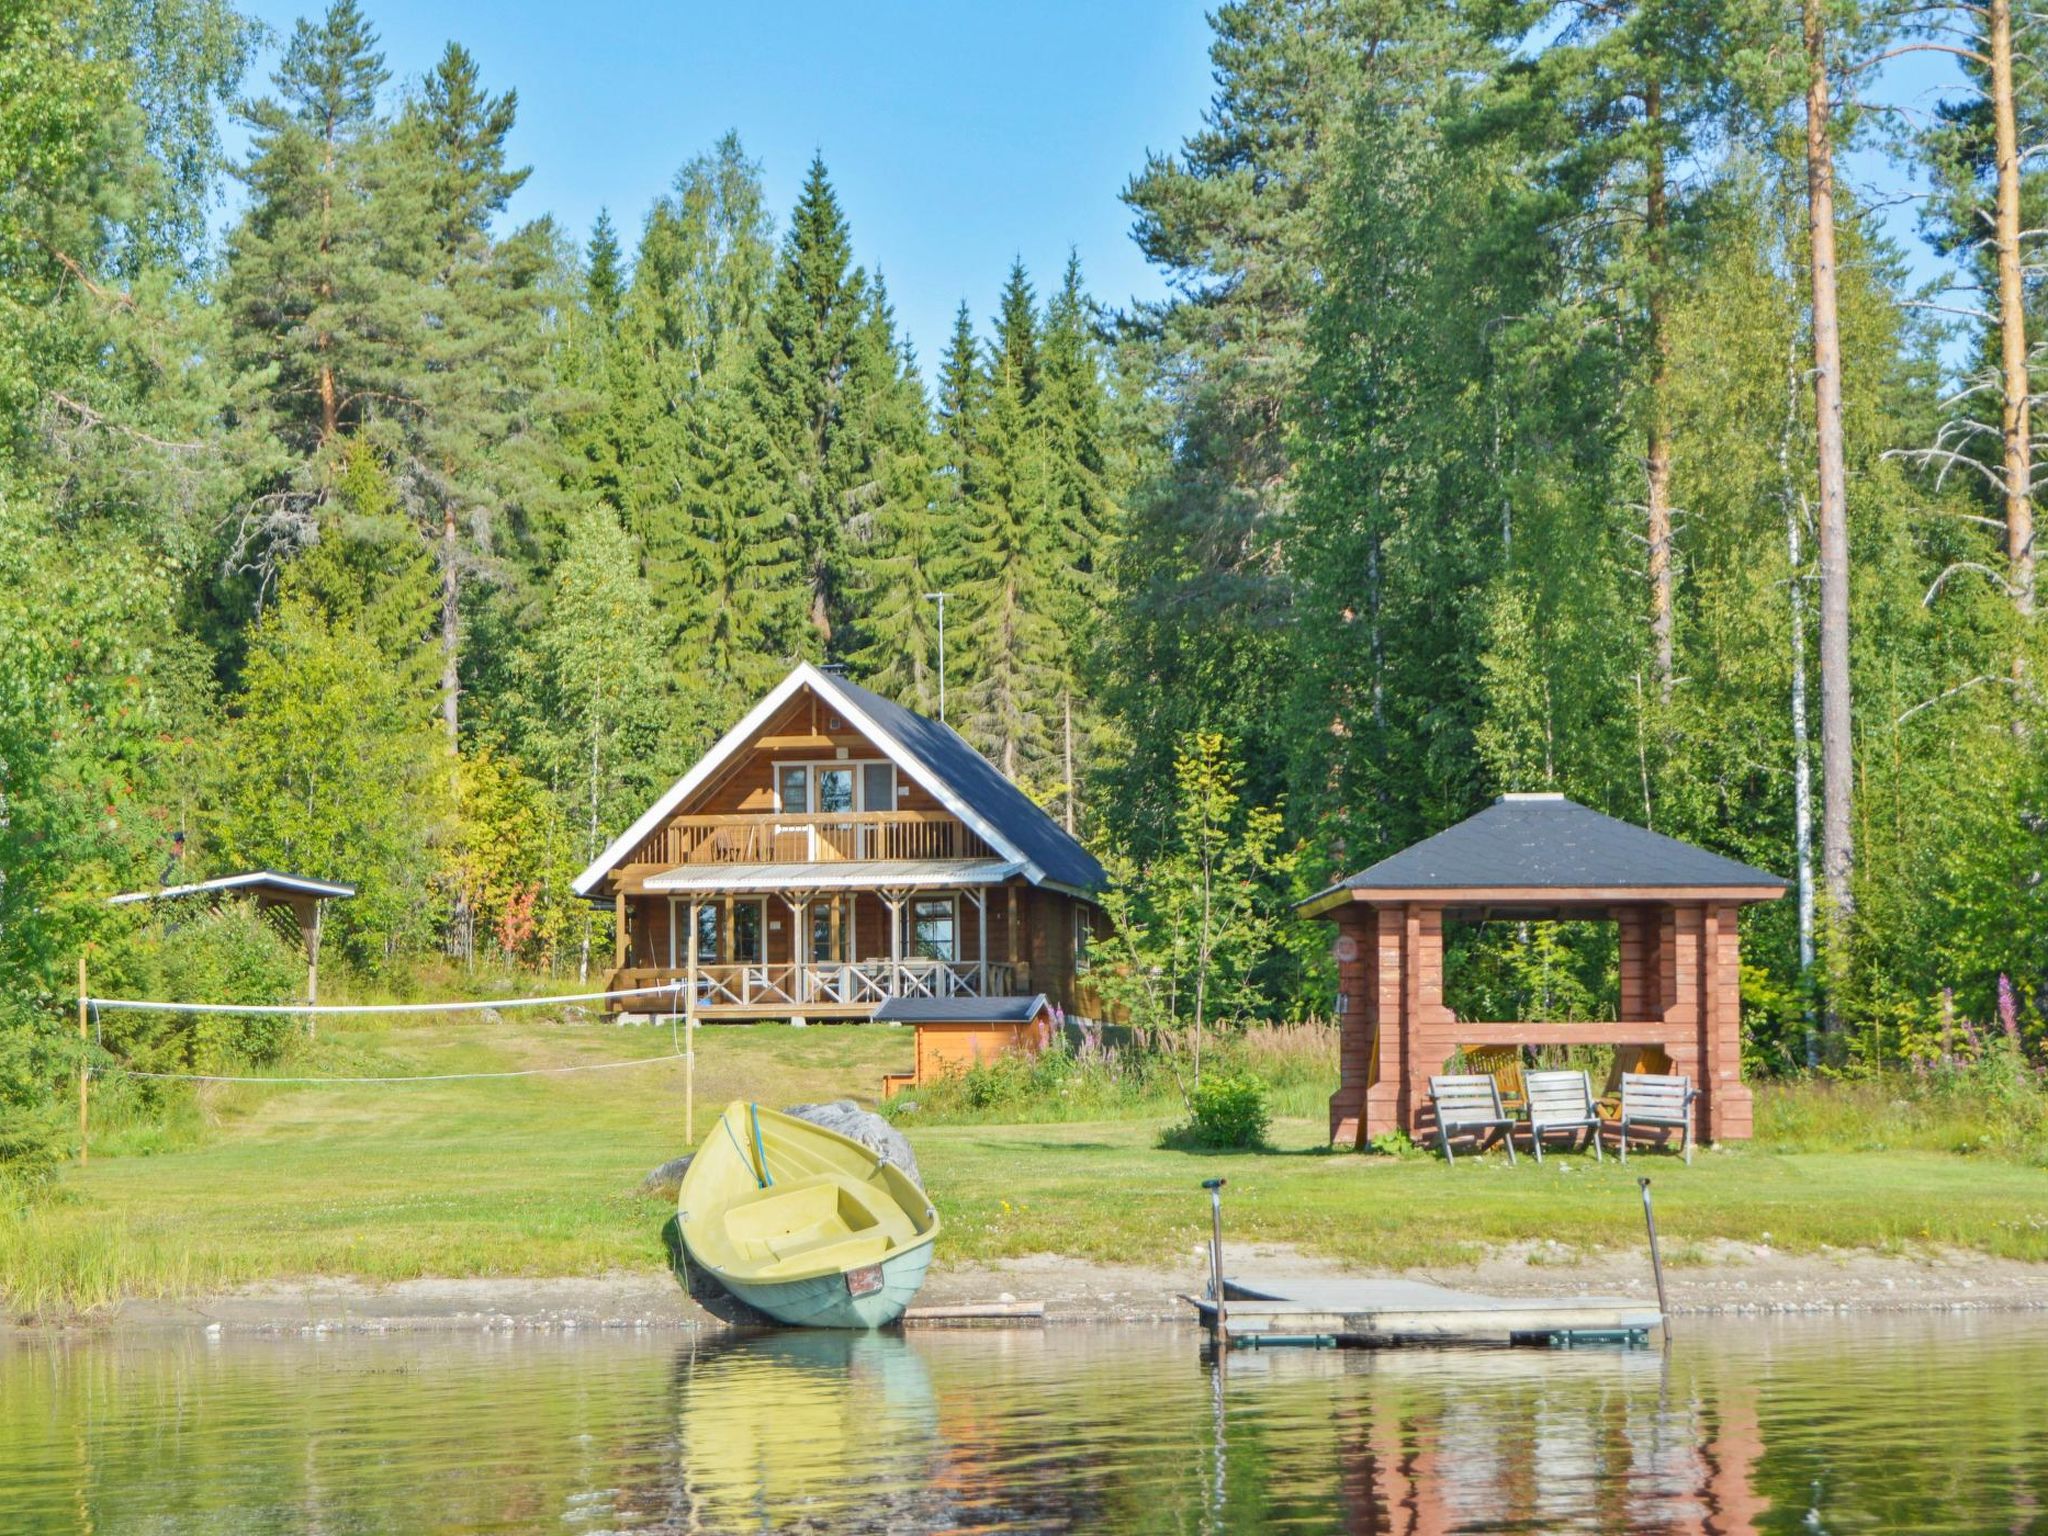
1373	1313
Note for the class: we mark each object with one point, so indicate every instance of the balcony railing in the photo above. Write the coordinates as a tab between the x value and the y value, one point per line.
784	986
767	838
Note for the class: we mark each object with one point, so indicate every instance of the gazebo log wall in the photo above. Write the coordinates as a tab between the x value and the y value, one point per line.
1680	989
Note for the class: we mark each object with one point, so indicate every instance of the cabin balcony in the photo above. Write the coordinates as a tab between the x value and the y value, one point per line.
818	988
767	837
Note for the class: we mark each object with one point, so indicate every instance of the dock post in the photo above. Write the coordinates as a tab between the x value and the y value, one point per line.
1215	1188
1656	1260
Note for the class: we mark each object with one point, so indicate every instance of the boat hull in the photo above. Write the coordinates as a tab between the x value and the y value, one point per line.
824	1302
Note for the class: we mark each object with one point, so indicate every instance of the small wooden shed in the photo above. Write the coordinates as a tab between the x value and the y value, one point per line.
307	898
1537	857
955	1033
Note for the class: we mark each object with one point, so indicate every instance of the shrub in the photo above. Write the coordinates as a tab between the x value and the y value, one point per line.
232	955
1227	1109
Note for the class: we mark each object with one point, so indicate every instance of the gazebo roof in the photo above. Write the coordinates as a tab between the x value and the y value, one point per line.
264	884
1547	849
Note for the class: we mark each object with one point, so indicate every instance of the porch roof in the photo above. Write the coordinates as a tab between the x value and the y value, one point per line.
849	874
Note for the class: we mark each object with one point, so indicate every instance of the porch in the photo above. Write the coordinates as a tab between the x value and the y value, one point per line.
828	989
847	939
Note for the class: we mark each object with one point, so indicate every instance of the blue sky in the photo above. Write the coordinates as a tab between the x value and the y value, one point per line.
958	134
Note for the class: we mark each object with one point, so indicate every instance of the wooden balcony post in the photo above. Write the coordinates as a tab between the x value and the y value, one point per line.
618	930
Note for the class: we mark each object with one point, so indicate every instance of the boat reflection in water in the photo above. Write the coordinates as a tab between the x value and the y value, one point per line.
1855	1424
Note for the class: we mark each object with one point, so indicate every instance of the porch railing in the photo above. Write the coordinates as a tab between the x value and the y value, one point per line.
766	838
785	986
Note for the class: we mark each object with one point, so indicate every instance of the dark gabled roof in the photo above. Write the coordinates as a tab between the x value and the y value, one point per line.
960	1010
1548	842
971	776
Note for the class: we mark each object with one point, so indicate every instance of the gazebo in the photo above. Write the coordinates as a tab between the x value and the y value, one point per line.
307	898
1533	858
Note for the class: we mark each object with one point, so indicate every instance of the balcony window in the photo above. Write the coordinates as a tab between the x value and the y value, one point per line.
794	789
835	791
931	926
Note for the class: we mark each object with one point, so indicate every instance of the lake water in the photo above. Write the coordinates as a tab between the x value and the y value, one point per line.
1871	1424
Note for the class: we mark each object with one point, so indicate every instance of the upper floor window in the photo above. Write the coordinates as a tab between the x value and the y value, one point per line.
834	789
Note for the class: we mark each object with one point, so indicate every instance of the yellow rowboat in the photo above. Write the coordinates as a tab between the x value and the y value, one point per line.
805	1224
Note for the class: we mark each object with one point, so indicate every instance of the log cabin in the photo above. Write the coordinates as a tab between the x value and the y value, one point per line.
835	850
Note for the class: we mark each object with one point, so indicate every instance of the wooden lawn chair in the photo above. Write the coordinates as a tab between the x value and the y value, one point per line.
1502	1063
1655	1101
1469	1102
1560	1101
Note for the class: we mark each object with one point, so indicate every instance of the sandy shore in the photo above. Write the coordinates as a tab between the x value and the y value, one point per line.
1733	1279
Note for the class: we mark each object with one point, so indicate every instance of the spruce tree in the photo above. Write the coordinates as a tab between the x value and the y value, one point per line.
900	556
1009	578
814	315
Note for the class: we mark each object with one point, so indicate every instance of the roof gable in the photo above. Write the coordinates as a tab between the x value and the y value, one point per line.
1546	842
933	755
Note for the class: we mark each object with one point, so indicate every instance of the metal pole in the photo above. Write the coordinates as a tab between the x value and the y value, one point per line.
689	1031
1215	1188
940	599
1656	1260
84	1047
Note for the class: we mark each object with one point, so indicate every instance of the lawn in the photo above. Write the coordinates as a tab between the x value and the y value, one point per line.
537	1176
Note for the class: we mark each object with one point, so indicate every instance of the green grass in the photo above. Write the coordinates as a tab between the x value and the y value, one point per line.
537	1176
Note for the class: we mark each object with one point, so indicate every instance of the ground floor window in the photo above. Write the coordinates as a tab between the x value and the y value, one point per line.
821	931
747	927
931	927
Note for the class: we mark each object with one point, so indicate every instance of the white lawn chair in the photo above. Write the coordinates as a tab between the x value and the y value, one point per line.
1469	1103
1560	1101
1654	1101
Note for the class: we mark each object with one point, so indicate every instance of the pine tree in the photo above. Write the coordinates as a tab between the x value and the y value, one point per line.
305	288
463	131
814	315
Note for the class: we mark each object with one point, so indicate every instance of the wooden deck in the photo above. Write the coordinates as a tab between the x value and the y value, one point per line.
1378	1313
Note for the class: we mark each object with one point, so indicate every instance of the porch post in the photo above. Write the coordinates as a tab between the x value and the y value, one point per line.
980	898
894	904
691	946
671	933
800	919
618	929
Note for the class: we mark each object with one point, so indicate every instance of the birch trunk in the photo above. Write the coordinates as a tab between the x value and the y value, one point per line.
1658	448
1802	750
2012	318
1837	766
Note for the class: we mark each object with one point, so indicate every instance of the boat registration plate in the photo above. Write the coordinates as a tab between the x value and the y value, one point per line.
864	1281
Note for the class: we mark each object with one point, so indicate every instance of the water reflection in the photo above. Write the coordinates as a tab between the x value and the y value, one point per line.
1841	1426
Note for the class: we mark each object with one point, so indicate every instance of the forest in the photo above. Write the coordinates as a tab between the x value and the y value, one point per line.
1537	404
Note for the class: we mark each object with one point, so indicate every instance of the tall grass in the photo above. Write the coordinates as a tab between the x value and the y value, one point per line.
1145	1079
1995	1106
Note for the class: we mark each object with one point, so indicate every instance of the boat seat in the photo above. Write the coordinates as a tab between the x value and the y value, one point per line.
811	1220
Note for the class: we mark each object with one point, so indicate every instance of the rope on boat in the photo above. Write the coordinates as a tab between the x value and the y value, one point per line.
139	1005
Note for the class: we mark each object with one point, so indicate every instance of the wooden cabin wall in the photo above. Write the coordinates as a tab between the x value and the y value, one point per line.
802	732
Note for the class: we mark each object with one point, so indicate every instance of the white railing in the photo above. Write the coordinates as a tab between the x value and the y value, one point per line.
837	983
